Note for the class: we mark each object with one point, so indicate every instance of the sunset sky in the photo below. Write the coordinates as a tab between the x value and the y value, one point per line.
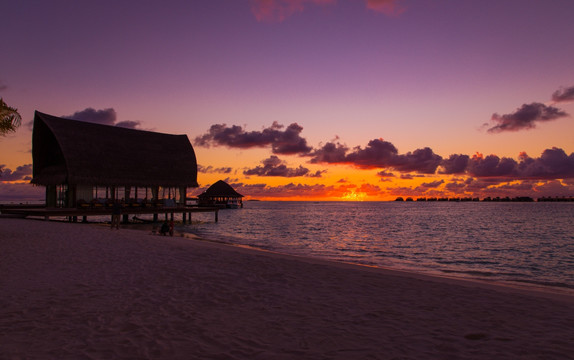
310	99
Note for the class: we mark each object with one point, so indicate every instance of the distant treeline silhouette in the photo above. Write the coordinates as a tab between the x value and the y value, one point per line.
495	199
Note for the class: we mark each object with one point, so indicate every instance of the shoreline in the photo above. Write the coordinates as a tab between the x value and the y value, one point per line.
567	294
75	290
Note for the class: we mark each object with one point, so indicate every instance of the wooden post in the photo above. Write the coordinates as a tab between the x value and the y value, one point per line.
51	195
71	196
216	215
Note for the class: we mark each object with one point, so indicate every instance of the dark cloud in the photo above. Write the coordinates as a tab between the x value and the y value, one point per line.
103	117
525	117
23	172
491	166
316	174
563	95
3	86
273	166
211	170
385	174
129	124
330	153
423	161
554	188
455	187
431	185
286	191
286	142
552	164
378	154
455	164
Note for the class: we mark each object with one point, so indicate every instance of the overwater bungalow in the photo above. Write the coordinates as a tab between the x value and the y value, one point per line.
221	194
87	164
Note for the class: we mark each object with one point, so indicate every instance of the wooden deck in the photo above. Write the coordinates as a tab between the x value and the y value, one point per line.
75	213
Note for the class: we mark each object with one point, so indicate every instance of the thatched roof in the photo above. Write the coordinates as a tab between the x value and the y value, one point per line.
75	152
220	189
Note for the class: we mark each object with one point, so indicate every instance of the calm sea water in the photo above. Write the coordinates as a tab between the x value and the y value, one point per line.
526	243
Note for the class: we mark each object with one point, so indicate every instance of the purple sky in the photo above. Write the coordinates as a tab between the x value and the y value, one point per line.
457	77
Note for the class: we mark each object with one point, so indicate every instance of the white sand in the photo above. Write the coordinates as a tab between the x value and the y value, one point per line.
77	291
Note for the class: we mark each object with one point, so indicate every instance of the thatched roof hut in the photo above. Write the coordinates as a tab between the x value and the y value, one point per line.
75	153
221	194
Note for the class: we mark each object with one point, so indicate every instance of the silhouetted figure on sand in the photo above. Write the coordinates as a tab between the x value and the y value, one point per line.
164	228
116	213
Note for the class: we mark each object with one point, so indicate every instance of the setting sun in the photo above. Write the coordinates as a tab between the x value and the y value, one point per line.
354	196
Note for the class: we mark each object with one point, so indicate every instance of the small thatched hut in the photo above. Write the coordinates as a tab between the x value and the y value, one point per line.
81	161
221	194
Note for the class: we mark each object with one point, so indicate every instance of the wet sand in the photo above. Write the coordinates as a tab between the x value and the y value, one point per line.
75	291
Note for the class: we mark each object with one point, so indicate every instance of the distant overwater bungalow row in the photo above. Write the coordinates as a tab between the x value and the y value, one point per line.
496	199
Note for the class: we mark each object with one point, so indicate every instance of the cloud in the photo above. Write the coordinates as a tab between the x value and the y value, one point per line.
369	189
129	124
279	10
552	164
455	164
525	117
287	191
563	95
385	174
387	7
23	172
491	166
316	174
211	170
3	86
455	187
273	166
330	153
286	142
102	117
378	154
431	185
423	161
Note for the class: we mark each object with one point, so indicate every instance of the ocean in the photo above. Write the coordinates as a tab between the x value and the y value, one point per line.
529	244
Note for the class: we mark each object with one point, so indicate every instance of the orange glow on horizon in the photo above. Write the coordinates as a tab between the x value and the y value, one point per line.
354	196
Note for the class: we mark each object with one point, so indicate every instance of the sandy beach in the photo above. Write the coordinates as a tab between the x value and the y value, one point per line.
82	291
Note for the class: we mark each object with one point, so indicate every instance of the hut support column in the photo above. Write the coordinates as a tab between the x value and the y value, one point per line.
51	195
127	190
183	195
